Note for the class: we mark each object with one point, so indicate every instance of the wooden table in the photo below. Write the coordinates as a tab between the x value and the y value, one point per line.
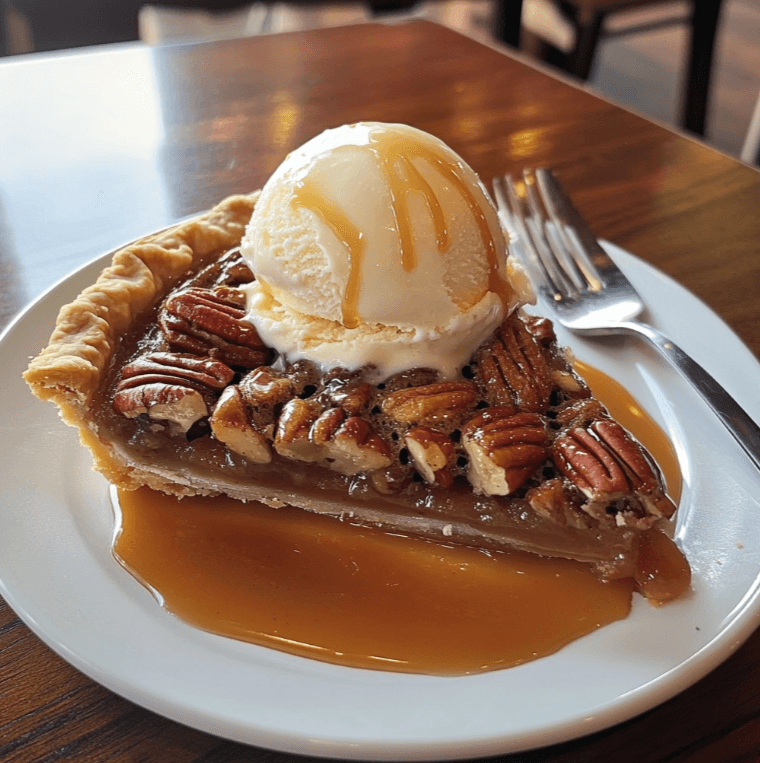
101	146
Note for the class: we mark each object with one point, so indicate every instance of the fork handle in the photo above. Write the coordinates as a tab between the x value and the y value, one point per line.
744	430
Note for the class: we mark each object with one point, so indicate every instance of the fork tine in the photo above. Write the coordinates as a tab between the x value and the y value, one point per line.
528	240
503	206
579	242
545	227
521	241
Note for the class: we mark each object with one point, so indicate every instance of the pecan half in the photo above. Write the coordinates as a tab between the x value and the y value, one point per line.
355	448
514	369
430	403
231	424
606	464
541	328
432	453
244	417
265	391
590	465
170	387
326	426
229	270
412	377
292	434
567	381
349	393
578	413
212	322
504	449
233	270
267	386
643	476
345	444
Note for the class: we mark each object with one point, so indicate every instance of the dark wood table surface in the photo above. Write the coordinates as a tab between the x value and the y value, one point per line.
102	145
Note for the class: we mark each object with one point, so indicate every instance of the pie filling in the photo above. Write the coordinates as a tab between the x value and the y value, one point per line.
171	387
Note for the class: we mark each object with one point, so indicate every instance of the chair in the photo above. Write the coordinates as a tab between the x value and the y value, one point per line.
588	17
58	24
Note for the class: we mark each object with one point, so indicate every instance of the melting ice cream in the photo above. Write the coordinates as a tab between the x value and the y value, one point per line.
375	245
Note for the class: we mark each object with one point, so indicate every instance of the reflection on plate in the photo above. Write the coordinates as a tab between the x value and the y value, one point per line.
56	571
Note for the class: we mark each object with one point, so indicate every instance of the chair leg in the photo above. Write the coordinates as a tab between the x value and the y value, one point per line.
588	31
751	148
507	20
704	25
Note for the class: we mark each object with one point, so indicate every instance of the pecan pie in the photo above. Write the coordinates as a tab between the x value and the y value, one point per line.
171	387
350	341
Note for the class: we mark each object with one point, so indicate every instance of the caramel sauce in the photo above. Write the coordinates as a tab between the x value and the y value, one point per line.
313	586
316	587
306	195
663	571
395	155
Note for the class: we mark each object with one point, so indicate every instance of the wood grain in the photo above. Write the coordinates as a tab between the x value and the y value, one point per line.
224	115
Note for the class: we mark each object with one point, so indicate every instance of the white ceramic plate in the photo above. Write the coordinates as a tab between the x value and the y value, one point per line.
57	572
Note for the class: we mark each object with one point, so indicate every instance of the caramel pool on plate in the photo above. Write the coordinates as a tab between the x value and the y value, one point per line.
317	587
321	588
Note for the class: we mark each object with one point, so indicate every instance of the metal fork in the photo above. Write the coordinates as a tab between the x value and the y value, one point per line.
587	291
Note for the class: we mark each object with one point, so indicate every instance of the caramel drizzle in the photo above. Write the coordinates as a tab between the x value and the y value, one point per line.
395	155
306	195
402	176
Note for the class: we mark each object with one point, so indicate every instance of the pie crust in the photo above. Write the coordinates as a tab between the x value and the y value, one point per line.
516	454
70	370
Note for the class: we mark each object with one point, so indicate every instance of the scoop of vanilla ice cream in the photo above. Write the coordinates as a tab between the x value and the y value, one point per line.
374	245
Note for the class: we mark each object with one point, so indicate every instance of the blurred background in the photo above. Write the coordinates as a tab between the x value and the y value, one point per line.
635	52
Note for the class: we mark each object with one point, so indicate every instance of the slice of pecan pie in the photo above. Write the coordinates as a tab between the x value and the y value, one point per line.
171	387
